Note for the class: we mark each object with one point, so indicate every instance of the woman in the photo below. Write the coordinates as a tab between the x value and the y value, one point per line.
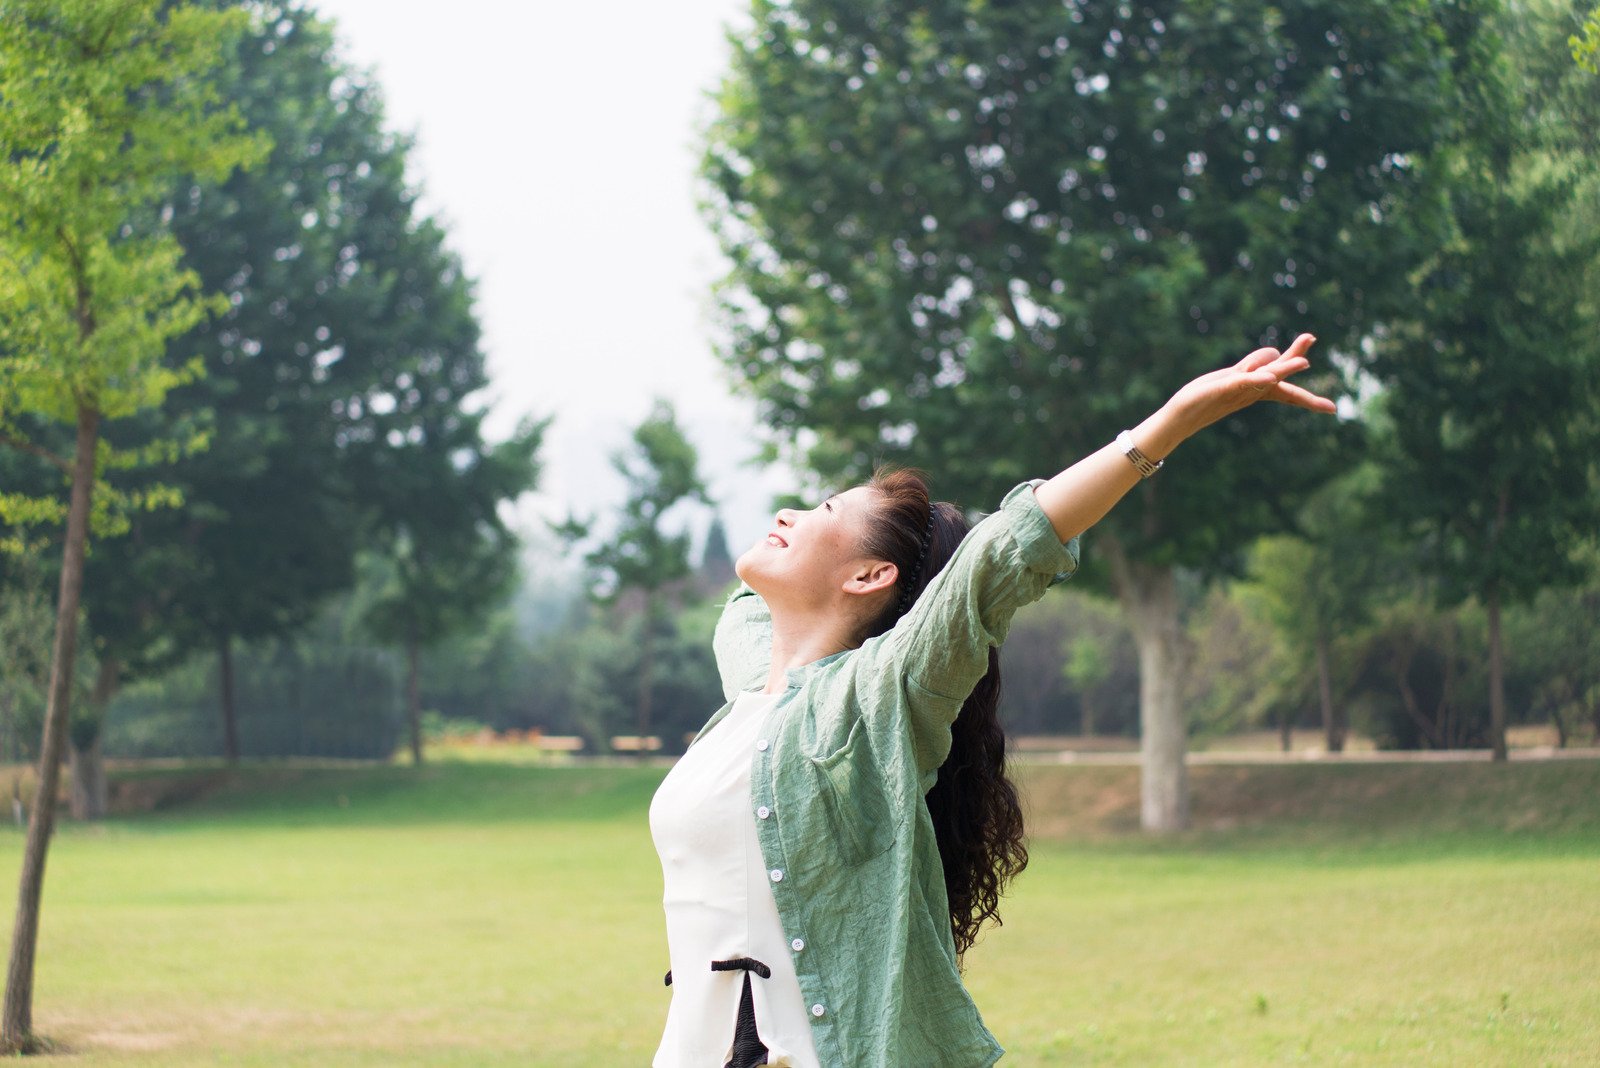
838	831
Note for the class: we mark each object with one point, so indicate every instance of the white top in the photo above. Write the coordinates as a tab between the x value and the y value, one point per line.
719	903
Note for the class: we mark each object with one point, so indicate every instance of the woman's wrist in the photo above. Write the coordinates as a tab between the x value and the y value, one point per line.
1160	433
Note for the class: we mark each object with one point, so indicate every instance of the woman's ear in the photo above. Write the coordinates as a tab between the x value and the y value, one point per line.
871	576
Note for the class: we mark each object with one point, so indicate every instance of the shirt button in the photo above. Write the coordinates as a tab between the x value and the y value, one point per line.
762	745
798	944
777	876
817	1010
763	812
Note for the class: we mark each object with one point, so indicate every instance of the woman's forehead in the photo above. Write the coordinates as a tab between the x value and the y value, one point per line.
854	497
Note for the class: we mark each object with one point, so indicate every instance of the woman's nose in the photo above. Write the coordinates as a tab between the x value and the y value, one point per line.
785	517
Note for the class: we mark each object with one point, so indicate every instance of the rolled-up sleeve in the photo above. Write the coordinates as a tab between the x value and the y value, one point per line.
939	650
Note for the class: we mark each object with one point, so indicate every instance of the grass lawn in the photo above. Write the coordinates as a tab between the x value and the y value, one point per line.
488	914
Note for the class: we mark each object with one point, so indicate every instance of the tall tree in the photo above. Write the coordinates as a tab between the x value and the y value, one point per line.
348	337
716	559
450	559
643	560
987	238
102	104
1490	461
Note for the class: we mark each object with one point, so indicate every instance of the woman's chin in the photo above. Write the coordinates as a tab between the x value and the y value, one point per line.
748	567
756	569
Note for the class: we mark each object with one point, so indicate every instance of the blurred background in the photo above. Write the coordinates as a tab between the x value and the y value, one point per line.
386	392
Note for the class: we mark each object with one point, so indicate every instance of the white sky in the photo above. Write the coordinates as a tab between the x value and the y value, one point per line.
558	143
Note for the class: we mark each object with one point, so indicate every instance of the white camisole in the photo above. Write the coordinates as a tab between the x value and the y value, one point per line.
719	904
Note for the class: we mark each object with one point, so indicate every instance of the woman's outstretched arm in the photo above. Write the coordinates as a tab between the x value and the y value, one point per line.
1080	496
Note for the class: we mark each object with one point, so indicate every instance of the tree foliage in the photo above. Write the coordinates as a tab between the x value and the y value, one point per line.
342	399
994	236
101	104
645	559
660	468
1585	44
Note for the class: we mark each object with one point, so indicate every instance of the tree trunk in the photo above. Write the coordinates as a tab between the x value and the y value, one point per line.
1402	656
414	699
1150	598
1333	725
230	716
88	797
647	670
1497	680
16	1030
1286	731
88	765
1086	709
1446	715
8	729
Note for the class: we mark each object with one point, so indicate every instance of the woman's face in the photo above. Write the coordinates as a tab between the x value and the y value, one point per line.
812	556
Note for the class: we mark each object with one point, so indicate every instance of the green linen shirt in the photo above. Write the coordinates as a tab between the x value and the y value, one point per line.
845	755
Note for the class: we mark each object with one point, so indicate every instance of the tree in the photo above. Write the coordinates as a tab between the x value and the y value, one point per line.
449	557
716	559
1493	436
1419	680
102	104
1557	636
1495	381
988	238
349	343
1318	585
643	559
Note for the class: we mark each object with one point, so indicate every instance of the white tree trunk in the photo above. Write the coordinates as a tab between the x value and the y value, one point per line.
1149	597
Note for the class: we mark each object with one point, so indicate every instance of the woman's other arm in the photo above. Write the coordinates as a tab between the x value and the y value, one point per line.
1080	496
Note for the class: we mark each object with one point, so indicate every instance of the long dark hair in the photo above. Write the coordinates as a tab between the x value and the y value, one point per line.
977	815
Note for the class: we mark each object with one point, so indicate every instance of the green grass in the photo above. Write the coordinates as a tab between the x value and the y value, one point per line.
484	914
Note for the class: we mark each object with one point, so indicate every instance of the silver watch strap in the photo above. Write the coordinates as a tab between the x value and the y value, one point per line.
1139	460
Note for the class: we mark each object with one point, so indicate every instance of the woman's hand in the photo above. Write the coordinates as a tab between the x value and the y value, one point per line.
1259	376
1078	497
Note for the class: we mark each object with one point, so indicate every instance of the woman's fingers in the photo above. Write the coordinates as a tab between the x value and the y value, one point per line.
1257	359
1260	380
1289	393
1300	346
1259	376
1267	357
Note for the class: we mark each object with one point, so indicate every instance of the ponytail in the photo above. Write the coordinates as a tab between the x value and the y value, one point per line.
976	812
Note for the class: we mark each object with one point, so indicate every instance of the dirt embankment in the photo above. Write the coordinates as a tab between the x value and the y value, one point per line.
1094	801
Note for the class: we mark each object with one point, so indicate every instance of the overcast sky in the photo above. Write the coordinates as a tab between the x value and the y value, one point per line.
558	143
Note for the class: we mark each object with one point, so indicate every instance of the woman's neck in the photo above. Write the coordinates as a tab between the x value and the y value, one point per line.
799	639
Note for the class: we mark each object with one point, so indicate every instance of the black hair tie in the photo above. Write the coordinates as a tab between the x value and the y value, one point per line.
910	585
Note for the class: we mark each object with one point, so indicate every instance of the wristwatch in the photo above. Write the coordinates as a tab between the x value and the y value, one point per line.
1137	458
